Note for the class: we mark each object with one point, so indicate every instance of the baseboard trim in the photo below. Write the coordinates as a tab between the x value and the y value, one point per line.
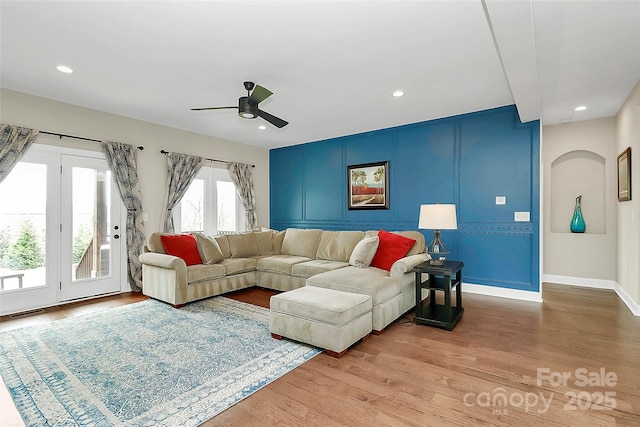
584	282
626	298
58	304
495	291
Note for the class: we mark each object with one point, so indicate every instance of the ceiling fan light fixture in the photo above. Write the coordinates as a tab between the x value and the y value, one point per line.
246	109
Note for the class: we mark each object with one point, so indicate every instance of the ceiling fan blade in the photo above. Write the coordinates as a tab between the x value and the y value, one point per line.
212	108
277	122
259	94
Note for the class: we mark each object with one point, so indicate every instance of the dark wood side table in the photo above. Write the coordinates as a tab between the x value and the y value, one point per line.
440	279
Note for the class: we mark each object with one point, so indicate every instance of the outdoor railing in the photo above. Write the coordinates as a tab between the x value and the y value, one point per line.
83	270
11	276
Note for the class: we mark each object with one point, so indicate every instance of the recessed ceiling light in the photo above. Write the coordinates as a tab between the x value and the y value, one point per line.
262	127
398	93
64	69
580	108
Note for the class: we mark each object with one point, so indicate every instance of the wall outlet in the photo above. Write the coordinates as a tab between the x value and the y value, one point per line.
521	216
501	200
145	217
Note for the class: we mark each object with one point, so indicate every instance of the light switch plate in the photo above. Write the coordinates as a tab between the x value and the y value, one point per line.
501	200
521	216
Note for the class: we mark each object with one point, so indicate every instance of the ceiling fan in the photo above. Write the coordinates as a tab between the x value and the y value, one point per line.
248	105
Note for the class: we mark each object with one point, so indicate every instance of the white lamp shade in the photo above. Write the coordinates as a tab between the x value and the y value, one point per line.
438	217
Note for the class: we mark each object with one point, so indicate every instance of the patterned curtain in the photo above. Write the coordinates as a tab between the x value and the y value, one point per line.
14	142
242	177
182	170
123	163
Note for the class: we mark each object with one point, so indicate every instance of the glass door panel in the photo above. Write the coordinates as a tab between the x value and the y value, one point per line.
91	236
23	227
28	237
90	223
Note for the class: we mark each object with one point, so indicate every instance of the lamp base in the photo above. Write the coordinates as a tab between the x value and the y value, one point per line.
437	250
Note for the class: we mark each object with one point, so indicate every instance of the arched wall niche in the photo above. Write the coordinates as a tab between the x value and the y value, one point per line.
575	173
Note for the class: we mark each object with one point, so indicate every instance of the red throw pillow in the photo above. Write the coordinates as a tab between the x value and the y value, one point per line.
392	247
183	246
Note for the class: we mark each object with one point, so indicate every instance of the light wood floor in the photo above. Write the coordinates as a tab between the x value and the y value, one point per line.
415	375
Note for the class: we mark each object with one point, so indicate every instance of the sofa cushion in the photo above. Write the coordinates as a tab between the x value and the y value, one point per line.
155	244
391	248
209	250
301	242
243	245
223	243
419	247
322	305
238	265
183	246
368	281
281	264
364	252
316	266
278	238
338	245
200	272
264	240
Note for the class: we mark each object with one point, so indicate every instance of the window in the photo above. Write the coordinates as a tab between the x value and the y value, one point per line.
210	205
192	207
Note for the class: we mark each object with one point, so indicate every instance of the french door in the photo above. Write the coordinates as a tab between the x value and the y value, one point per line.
60	230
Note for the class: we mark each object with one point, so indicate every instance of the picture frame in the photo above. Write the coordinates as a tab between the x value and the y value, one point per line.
624	175
368	186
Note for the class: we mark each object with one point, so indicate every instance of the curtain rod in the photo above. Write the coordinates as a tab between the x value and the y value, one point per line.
62	135
211	160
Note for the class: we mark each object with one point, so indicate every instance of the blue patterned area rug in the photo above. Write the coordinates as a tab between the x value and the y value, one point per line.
144	364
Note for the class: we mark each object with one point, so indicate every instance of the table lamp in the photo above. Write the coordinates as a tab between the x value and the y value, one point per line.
437	217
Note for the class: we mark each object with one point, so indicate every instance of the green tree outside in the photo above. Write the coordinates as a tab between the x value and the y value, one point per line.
5	247
81	242
26	252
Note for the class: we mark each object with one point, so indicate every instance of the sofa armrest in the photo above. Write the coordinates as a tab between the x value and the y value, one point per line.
164	277
406	264
163	260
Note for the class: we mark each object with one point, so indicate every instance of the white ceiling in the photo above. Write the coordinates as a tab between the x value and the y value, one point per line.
332	65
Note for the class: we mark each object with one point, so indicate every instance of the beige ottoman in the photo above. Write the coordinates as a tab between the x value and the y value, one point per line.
325	318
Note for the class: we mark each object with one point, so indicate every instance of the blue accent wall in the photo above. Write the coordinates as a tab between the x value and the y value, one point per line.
467	160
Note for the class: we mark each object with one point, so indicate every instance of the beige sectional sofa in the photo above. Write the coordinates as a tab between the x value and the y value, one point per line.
283	261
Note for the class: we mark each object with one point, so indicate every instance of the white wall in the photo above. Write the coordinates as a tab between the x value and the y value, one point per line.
628	135
603	257
579	158
46	115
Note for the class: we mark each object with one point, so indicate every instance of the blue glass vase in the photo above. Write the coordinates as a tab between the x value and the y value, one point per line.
577	223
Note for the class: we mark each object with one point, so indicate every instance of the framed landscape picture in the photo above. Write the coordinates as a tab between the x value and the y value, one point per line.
624	175
368	186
